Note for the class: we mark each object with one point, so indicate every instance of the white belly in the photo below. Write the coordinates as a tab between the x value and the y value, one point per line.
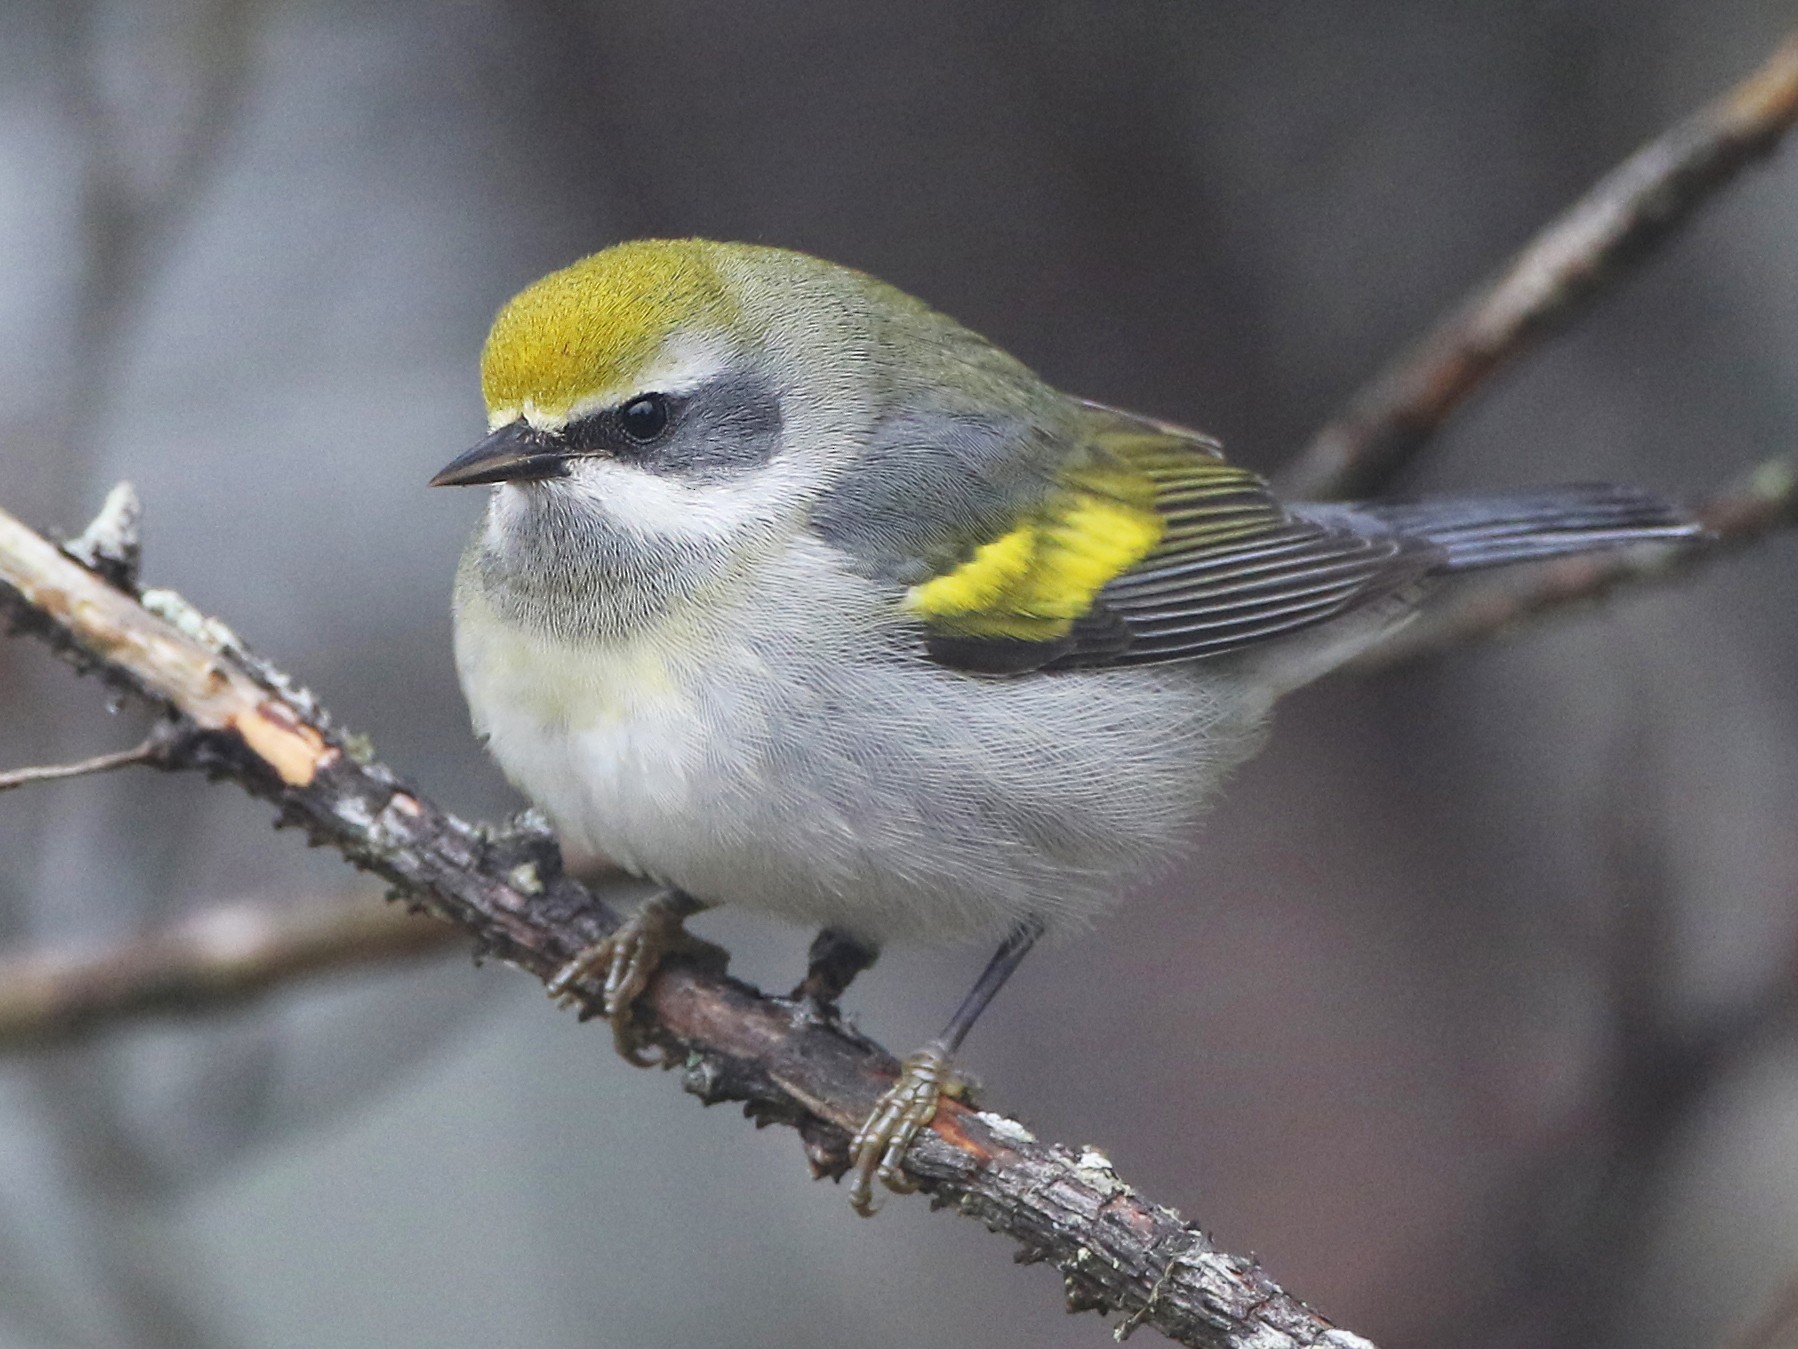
779	761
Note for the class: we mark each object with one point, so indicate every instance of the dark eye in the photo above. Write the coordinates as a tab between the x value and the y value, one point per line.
645	418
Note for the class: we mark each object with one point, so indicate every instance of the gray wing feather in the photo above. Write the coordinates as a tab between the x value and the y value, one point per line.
1305	574
978	472
1323	561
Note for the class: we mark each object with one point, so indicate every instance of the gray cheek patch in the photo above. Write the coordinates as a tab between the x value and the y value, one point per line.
723	428
567	569
931	487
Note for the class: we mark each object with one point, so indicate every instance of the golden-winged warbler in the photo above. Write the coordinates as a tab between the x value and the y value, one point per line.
795	594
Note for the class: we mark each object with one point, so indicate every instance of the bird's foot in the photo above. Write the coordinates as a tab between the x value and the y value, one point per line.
877	1152
629	957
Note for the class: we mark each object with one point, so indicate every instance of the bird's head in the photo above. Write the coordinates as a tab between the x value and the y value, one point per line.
660	372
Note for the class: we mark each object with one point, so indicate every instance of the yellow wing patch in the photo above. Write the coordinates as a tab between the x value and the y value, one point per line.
1033	582
1147	497
594	325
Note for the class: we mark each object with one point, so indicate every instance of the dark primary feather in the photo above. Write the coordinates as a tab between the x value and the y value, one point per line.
1490	531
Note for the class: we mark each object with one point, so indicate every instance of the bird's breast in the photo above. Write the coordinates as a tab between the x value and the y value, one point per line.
604	738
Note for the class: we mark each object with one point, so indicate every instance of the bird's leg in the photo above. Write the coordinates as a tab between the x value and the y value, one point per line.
833	962
629	956
878	1148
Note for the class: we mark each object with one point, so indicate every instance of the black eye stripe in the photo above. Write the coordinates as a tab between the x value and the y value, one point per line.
727	425
626	429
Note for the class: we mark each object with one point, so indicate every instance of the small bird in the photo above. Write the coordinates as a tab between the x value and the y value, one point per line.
793	593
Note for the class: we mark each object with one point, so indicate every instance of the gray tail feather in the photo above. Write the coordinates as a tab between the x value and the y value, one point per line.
1489	531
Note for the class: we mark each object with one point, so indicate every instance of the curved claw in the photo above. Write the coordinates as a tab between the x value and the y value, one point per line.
630	957
877	1152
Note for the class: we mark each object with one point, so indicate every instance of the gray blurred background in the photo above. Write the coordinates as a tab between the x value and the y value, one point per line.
1426	1023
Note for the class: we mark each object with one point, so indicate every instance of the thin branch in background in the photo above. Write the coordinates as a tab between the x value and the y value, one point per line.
149	752
237	718
220	957
1574	260
1763	502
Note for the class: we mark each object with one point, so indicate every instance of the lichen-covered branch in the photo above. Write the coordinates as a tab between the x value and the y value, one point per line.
1569	264
1764	501
221	956
235	717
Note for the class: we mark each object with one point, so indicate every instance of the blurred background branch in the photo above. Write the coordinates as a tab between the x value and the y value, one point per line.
220	957
1575	260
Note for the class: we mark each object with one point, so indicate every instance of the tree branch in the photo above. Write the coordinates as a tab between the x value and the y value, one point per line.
1761	503
1569	264
235	717
221	956
149	752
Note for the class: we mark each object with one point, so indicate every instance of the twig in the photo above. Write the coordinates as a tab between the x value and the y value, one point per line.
222	956
150	751
1764	501
246	722
113	543
1570	263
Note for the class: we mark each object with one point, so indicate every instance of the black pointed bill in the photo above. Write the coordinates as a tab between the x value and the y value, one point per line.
517	452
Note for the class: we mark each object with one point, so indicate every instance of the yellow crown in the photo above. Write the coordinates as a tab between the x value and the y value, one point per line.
591	328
